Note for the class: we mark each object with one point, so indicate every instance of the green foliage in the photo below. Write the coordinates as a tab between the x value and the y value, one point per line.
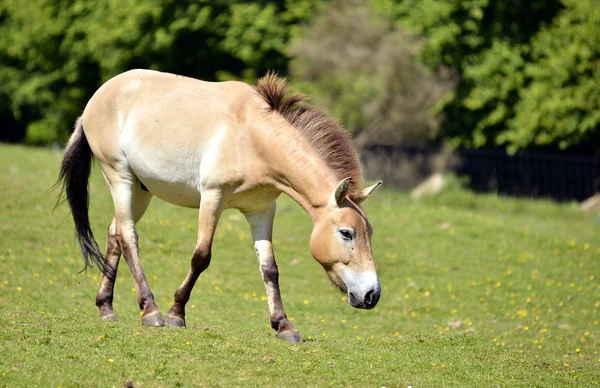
490	103
338	75
456	30
372	81
255	33
528	69
560	103
477	291
55	54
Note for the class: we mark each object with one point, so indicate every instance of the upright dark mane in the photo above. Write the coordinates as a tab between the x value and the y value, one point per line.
330	141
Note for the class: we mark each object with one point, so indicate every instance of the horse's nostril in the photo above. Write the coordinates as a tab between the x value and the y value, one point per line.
353	300
369	297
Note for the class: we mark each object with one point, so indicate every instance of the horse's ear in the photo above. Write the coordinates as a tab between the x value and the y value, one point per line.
366	192
340	192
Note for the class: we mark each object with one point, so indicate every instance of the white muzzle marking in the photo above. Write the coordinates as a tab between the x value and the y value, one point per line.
363	288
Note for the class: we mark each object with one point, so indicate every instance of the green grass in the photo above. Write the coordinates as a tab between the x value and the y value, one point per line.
477	291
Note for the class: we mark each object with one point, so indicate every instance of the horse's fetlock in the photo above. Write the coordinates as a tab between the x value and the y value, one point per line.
278	321
177	310
146	300
275	324
181	297
104	298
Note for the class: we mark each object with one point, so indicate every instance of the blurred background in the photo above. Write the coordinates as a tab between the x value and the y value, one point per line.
503	92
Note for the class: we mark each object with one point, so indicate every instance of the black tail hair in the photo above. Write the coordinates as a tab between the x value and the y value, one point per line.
74	178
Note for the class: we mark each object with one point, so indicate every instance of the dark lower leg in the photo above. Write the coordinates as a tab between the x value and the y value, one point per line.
104	297
279	322
210	211
151	316
176	315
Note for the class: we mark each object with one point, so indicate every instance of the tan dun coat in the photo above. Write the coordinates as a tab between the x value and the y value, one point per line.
215	146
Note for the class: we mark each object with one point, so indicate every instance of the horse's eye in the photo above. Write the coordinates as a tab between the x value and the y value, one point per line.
347	234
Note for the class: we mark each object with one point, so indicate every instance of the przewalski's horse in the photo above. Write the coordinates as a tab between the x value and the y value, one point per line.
215	146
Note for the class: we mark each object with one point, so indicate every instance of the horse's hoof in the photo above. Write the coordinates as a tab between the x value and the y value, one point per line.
110	317
174	321
290	336
153	319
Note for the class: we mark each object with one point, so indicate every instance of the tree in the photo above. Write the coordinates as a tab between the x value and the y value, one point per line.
55	54
527	68
560	103
365	73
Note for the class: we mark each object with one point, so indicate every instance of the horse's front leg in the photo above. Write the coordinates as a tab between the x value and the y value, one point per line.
210	211
261	224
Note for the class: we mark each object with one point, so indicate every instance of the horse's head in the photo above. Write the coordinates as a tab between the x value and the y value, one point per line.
341	242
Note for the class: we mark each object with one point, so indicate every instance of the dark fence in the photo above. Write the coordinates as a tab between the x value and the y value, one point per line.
540	174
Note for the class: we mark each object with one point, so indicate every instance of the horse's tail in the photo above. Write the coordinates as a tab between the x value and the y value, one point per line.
74	178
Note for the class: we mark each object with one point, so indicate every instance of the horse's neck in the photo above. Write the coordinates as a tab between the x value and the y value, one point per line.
298	171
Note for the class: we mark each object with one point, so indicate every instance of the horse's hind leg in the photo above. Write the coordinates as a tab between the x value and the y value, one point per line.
130	200
104	297
261	224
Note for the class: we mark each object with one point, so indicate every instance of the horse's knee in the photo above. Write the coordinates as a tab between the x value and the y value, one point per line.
201	259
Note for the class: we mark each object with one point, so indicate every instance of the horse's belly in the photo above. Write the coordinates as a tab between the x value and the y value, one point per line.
176	193
255	200
171	179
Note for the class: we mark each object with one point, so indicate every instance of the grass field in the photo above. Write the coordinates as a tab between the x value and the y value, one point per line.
477	291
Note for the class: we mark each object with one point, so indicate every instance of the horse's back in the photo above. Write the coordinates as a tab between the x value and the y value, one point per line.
177	134
157	102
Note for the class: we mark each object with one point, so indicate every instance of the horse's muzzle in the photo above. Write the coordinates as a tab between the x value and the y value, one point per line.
367	301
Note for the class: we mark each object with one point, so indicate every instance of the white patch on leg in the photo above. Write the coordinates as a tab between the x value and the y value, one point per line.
263	250
264	253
